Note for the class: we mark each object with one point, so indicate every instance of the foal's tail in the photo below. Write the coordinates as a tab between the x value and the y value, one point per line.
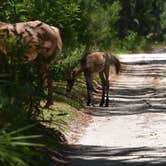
116	62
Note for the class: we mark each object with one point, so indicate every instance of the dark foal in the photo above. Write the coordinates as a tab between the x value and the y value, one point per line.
96	62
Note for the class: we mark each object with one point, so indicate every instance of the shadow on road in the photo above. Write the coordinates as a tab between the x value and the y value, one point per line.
106	156
130	101
140	89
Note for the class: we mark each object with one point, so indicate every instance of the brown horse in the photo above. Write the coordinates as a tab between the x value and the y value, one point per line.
42	40
91	63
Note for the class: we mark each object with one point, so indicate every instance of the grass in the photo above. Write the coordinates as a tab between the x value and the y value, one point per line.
66	107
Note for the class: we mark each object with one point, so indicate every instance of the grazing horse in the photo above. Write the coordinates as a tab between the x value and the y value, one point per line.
41	40
91	63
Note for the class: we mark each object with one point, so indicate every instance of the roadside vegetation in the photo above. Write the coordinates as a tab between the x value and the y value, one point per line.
31	135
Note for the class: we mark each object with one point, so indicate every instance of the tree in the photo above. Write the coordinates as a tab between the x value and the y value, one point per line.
98	26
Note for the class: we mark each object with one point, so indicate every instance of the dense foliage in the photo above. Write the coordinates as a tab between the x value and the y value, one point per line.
85	25
20	96
94	23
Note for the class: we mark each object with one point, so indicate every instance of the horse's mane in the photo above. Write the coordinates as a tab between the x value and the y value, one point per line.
83	59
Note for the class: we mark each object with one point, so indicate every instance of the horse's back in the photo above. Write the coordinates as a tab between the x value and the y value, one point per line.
41	38
93	62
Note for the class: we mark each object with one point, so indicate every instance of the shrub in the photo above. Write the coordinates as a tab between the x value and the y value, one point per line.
61	70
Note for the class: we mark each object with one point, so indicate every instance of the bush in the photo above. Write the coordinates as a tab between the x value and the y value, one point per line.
62	69
21	93
15	147
134	42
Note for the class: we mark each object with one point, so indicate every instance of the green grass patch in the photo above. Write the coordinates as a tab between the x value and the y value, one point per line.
65	107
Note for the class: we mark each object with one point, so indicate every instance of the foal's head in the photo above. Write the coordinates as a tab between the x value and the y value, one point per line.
71	80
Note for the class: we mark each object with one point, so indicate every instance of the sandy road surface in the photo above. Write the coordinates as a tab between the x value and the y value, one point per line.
132	131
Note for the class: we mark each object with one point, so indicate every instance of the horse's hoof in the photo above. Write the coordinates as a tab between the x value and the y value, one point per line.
101	105
48	104
106	105
90	105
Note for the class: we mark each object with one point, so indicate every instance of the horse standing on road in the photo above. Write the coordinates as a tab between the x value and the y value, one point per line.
91	63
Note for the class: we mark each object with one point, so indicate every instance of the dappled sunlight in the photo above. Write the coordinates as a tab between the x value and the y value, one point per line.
86	155
131	131
139	89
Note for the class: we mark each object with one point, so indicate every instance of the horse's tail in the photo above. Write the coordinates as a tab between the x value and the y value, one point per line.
116	62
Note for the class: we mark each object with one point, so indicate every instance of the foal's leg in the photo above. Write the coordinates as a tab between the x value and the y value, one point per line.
107	86
101	75
88	78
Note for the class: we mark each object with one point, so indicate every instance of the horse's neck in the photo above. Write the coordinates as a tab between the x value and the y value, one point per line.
2	23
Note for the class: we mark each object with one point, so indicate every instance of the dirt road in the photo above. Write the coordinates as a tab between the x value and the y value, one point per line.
132	131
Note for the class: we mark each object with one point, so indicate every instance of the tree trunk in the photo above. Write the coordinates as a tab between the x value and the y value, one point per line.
125	22
156	10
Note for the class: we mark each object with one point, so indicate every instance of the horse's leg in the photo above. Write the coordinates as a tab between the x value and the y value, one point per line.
88	78
50	92
101	75
107	86
49	85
